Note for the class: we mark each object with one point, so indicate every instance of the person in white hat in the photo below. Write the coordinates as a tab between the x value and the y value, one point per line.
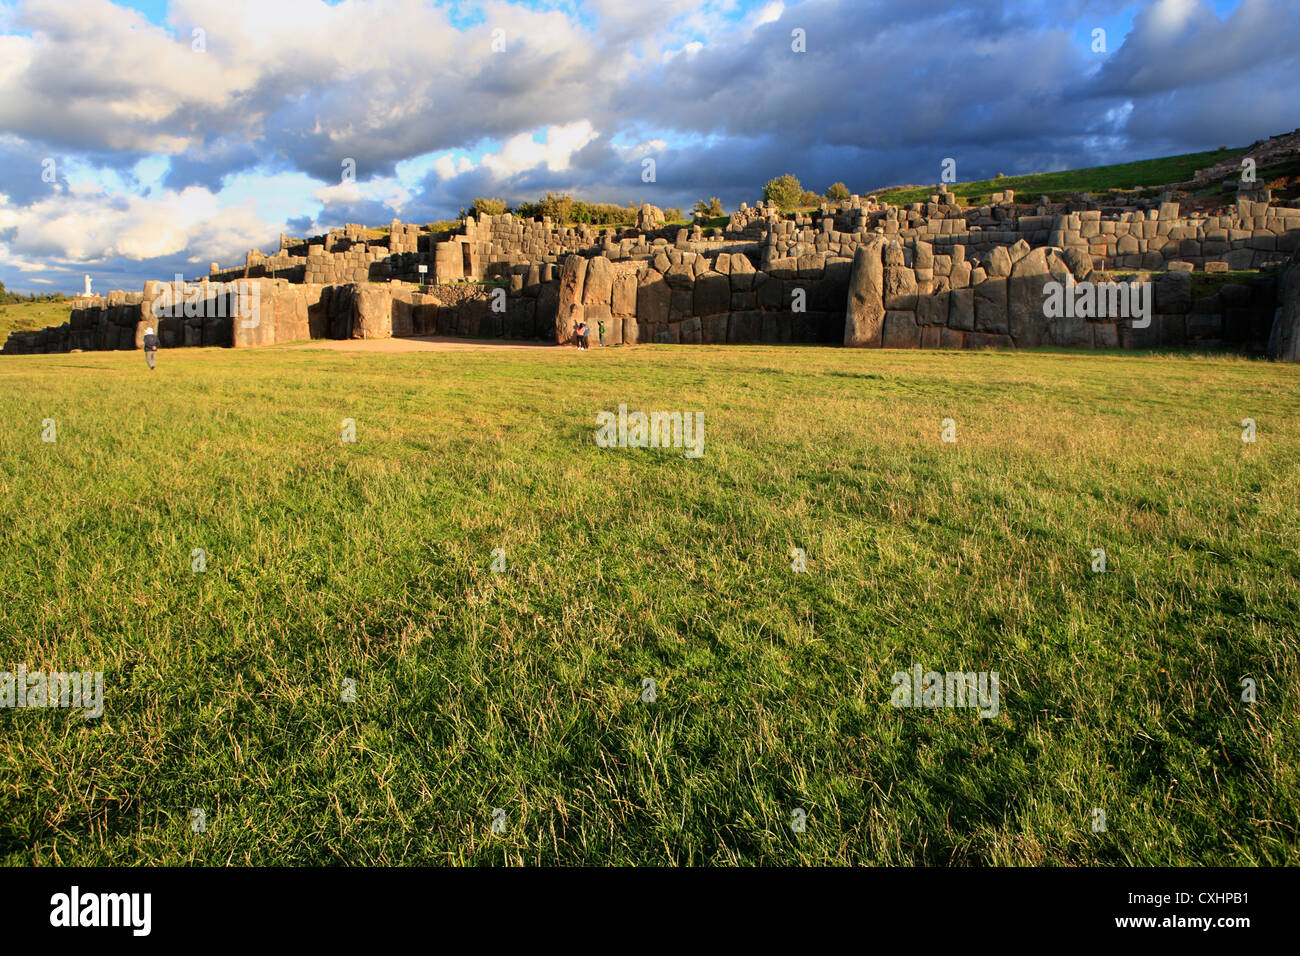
150	346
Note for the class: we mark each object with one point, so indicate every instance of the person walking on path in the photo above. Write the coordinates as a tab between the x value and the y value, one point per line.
150	347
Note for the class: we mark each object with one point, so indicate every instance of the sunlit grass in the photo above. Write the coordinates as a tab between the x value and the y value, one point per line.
371	561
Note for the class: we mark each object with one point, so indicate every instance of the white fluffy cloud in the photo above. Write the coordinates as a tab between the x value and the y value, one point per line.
86	226
252	130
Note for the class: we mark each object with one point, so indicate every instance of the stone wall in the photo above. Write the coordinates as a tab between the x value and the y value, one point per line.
926	300
681	296
947	275
1284	341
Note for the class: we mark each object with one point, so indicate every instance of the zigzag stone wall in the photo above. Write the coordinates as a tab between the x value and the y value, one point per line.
946	276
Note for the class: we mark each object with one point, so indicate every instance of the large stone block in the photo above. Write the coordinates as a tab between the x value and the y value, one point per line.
1025	297
598	282
900	331
961	309
865	316
900	289
745	328
1173	292
991	306
623	299
571	291
653	298
712	294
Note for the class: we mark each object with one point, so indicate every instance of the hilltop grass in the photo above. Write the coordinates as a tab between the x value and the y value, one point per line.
1060	186
522	690
28	316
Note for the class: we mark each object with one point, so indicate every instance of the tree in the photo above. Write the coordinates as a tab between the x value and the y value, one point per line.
785	191
673	214
709	208
487	207
837	192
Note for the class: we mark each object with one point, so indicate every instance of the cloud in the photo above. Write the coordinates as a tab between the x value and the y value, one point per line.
165	153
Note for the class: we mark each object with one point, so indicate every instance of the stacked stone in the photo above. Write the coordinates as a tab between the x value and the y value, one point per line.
943	302
683	296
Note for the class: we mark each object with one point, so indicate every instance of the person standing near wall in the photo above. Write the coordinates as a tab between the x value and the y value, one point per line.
600	332
150	347
575	321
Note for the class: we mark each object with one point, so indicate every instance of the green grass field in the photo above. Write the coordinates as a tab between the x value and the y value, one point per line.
1059	186
371	562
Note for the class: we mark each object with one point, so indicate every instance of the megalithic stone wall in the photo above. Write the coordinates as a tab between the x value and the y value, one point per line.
1284	340
892	304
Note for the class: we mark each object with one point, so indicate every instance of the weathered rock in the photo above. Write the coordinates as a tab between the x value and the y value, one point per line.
571	283
1078	262
712	294
901	288
649	217
680	276
999	262
1025	319
961	309
653	298
598	283
865	316
623	298
991	306
745	327
901	331
373	313
1173	292
1284	339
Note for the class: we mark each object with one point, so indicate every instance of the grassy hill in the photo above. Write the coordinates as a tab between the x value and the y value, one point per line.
1144	174
522	690
26	316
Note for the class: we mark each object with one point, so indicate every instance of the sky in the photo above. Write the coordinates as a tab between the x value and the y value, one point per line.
141	140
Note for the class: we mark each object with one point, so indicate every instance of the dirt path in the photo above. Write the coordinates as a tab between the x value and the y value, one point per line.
419	343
